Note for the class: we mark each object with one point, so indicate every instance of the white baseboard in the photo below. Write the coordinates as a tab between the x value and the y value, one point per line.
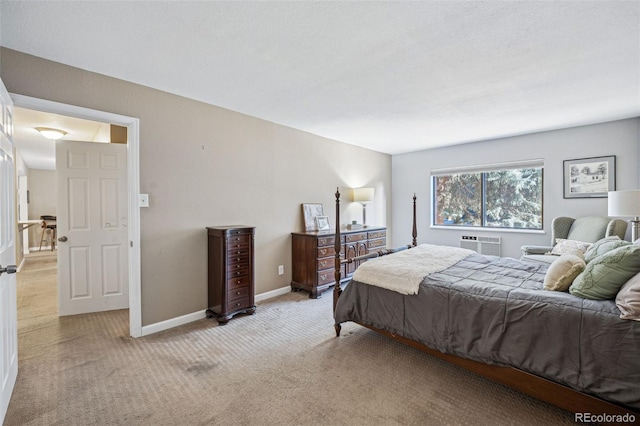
21	265
173	322
37	249
273	293
195	316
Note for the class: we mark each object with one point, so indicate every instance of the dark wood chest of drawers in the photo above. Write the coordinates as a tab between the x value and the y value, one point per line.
313	256
231	272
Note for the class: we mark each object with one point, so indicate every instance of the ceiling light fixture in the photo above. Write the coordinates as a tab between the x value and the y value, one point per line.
49	133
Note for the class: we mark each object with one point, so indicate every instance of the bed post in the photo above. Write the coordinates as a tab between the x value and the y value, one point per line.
414	234
336	289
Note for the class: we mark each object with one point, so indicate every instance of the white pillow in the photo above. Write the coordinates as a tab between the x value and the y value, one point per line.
628	299
564	270
564	246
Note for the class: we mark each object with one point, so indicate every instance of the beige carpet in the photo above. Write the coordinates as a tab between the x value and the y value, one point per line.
283	365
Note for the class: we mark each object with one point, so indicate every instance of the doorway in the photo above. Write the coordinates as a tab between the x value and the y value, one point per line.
133	183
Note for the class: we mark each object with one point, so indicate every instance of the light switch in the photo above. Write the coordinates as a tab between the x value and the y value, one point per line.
144	200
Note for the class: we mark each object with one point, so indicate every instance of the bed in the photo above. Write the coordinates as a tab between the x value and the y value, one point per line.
574	353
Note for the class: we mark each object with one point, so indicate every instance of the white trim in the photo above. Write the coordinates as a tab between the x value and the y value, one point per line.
37	249
135	274
494	230
173	322
133	167
522	164
273	293
44	105
21	264
195	316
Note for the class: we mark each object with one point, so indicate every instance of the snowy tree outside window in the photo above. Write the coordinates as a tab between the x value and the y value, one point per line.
497	198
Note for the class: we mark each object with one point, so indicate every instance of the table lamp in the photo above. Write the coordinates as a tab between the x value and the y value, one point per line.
626	204
363	195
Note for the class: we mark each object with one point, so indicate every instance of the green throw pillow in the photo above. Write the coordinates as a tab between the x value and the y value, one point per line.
604	275
602	246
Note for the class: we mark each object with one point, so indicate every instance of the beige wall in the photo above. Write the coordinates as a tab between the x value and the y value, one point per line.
203	165
42	200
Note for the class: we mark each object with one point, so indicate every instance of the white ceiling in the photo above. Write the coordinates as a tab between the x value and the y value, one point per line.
391	76
39	152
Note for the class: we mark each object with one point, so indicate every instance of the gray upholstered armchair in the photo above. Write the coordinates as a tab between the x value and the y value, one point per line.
587	229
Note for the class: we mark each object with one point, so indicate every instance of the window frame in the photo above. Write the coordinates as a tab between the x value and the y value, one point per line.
483	170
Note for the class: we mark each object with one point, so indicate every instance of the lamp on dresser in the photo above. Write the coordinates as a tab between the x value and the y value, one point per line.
363	196
626	204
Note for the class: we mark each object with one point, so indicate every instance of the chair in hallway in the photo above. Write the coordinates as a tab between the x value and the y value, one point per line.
48	224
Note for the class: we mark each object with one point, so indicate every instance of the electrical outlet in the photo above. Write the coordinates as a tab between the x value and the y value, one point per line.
281	270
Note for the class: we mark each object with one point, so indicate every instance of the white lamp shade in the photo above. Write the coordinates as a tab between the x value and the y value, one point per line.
624	203
363	195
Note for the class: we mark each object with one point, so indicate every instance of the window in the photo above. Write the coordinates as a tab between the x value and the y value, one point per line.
497	196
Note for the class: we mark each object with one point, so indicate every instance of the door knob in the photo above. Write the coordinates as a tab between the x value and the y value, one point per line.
10	269
62	239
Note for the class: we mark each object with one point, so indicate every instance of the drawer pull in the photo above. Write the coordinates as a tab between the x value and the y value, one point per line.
238	273
324	277
238	282
238	304
238	293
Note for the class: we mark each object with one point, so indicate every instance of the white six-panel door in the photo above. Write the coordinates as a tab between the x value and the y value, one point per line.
92	227
8	298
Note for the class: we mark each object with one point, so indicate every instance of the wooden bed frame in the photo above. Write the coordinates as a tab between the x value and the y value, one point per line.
543	389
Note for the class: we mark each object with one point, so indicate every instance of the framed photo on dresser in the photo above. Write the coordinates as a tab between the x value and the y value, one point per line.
310	211
322	223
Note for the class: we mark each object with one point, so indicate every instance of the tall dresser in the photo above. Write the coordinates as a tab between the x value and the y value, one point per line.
231	271
313	256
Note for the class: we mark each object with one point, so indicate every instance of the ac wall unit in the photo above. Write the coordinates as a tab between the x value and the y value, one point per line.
482	245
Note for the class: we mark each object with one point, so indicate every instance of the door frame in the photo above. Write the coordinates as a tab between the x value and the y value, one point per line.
133	174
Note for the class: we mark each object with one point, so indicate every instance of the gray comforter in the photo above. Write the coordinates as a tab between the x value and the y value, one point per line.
494	310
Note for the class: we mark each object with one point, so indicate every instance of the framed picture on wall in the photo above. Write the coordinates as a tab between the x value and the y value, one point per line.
310	211
589	177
